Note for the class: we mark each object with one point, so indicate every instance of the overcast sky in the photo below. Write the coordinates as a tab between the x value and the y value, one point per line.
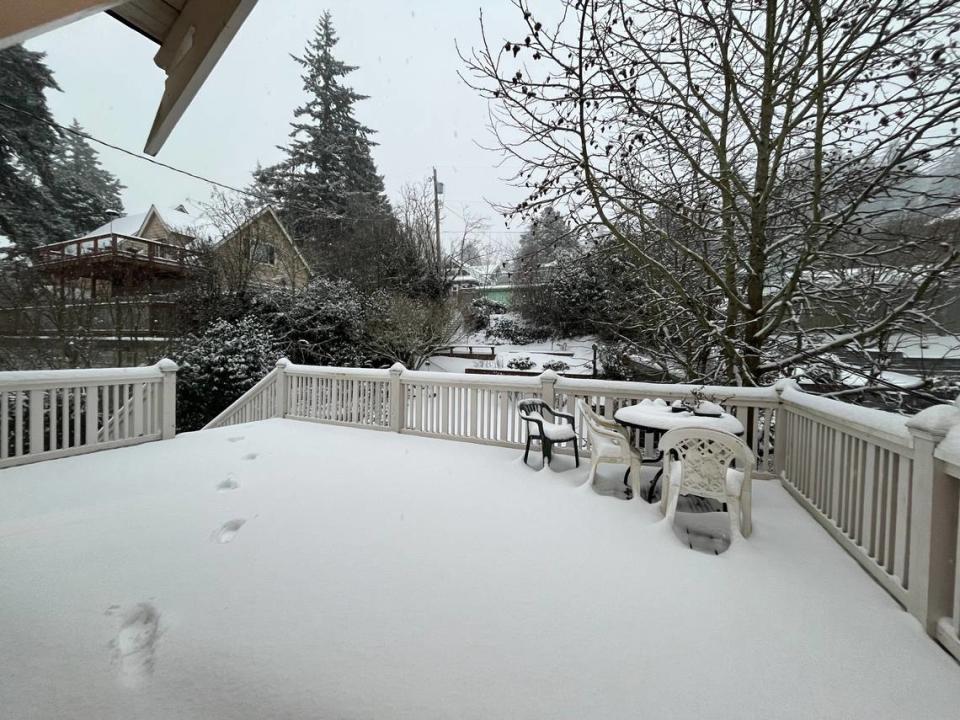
423	113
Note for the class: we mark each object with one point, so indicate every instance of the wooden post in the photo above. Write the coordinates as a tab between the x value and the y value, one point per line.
396	397
548	379
281	409
168	402
933	520
780	452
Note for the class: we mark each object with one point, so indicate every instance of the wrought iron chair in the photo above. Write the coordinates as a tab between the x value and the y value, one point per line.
548	433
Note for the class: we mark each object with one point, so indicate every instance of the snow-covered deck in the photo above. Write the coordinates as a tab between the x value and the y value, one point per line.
289	569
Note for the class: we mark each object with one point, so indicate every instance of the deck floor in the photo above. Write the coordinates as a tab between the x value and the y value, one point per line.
284	569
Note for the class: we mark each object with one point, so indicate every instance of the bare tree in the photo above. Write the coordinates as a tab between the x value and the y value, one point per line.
409	330
417	219
764	146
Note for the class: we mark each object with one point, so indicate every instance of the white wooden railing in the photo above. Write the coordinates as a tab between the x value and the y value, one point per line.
942	506
852	468
475	408
887	488
884	486
56	413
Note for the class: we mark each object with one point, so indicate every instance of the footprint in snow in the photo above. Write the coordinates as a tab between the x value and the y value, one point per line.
250	456
235	439
228	484
228	531
135	644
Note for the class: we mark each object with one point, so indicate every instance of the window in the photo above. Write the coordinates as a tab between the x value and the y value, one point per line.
265	253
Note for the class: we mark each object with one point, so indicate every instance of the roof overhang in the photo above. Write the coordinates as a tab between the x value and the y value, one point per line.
192	35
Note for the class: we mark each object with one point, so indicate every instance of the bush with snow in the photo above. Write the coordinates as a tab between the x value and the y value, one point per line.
522	362
480	311
323	323
509	329
555	365
218	366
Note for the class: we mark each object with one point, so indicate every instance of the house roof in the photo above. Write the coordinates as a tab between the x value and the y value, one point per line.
268	210
192	35
177	219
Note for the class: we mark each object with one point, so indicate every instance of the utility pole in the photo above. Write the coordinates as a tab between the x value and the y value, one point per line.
437	190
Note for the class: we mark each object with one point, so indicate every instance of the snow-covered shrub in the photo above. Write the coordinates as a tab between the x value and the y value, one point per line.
510	330
480	311
218	366
522	362
323	323
555	365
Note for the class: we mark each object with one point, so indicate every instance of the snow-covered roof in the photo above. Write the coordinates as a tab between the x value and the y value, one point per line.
180	219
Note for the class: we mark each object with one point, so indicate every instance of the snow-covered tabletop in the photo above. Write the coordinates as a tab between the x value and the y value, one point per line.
658	415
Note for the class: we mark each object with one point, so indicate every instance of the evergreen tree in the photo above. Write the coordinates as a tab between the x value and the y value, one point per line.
547	236
330	195
28	215
86	195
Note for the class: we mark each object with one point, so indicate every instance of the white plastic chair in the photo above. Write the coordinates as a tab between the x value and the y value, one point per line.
609	444
702	466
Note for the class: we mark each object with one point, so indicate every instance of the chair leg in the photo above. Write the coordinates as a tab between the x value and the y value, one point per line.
673	498
665	486
591	476
576	451
526	452
635	477
746	520
546	452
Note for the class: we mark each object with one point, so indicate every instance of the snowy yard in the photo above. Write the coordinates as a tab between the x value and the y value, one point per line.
284	569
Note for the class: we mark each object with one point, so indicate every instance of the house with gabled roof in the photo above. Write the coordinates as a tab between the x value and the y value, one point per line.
115	287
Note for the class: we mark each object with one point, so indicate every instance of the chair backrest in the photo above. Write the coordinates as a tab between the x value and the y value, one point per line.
595	425
705	456
531	408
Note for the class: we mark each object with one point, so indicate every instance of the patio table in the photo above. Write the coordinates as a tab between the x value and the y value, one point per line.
657	417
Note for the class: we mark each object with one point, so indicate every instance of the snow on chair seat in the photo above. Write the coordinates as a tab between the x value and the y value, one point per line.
698	461
548	433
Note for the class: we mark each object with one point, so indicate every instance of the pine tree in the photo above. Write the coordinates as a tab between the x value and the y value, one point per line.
547	236
330	195
86	195
28	215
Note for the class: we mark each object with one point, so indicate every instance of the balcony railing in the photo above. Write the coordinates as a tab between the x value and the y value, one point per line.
56	413
113	246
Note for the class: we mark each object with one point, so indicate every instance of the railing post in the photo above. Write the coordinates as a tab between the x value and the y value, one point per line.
548	379
168	402
281	409
396	397
933	520
780	452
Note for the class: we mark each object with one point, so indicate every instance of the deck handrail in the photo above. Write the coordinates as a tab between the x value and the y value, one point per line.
110	244
56	413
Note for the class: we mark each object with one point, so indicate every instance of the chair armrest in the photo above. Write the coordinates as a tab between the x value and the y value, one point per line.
558	414
565	416
536	421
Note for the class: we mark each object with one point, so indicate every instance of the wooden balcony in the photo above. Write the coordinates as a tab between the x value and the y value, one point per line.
109	254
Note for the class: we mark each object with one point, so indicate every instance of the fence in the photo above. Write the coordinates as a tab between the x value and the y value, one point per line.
474	408
56	413
886	487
